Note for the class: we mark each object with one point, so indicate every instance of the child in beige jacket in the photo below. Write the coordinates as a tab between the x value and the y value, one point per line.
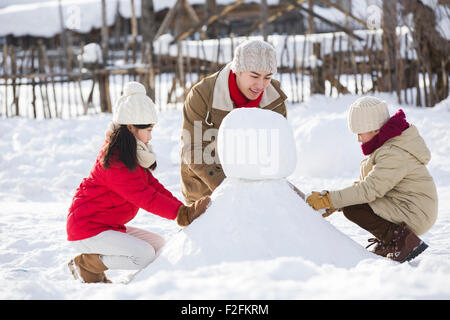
396	198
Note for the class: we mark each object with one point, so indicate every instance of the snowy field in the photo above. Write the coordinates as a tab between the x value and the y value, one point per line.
42	162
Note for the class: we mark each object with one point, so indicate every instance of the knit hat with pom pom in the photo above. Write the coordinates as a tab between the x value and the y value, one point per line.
134	106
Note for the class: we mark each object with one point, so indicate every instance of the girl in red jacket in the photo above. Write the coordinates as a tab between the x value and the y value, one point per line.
118	185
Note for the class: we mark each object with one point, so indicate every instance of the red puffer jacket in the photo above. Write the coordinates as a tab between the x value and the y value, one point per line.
111	197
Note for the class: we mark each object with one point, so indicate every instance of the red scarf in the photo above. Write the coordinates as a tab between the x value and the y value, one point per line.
241	101
392	128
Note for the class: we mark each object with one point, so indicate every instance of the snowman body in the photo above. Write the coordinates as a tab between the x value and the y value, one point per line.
254	213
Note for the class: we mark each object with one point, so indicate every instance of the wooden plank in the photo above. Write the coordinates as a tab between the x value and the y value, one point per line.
296	69
52	79
278	14
105	101
311	25
104	32
63	46
168	19
43	85
373	63
303	65
207	21
134	32
33	84
380	60
427	65
5	70
117	26
337	84
338	65
331	69
417	82
364	63
354	66
12	55
346	12
195	18
264	16
337	26
399	71
406	62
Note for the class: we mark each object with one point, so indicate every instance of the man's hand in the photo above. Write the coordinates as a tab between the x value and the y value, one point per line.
187	214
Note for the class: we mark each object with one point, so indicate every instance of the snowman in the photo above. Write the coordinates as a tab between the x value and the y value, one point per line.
255	214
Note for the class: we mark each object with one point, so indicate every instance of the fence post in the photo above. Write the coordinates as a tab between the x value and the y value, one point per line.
5	70
103	85
317	83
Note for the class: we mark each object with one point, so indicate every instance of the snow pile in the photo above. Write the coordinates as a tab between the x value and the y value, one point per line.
255	215
92	53
257	220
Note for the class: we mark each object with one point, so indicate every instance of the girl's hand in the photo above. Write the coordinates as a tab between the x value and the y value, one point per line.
187	214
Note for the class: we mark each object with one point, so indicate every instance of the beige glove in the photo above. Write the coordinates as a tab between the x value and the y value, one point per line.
187	214
321	200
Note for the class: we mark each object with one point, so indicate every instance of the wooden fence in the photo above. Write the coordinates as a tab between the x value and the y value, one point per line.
33	83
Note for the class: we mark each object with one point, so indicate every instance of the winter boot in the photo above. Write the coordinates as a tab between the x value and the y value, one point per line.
380	248
405	245
88	268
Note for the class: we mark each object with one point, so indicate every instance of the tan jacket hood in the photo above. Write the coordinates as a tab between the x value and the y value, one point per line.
411	141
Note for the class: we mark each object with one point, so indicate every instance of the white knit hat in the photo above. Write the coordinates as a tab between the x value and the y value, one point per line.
254	55
134	106
367	114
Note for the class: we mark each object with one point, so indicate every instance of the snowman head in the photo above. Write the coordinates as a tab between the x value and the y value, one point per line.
256	144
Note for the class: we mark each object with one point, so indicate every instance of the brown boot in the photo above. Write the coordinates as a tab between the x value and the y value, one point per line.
405	245
380	248
88	268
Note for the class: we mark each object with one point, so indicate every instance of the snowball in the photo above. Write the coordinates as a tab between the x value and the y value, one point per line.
256	144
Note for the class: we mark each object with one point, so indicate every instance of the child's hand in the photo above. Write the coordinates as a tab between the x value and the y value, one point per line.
321	200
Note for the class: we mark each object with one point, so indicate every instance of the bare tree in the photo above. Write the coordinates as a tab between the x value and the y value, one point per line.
148	28
432	49
105	37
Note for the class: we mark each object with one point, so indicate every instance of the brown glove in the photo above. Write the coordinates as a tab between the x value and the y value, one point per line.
187	214
321	200
328	212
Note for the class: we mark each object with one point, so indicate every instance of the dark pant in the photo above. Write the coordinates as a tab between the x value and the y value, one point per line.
363	216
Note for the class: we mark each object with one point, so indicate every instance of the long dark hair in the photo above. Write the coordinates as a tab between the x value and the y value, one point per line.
124	141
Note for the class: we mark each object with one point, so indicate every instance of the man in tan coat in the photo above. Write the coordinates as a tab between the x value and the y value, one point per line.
244	83
395	198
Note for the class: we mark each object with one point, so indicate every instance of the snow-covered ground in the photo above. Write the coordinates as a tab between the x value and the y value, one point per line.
43	161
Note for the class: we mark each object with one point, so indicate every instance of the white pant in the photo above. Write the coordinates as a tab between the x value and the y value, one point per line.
132	250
